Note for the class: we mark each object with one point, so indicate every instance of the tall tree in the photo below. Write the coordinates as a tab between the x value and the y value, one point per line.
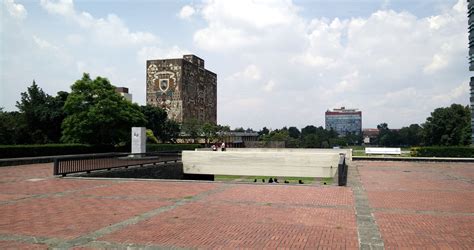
13	128
209	131
96	114
294	132
170	131
192	128
155	119
448	126
43	114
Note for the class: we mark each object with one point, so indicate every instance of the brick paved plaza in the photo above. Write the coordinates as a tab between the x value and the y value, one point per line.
386	204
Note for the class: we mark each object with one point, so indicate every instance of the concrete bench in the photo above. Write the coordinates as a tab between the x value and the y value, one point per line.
383	151
258	162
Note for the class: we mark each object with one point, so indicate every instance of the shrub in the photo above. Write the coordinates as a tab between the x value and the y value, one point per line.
440	151
15	151
170	147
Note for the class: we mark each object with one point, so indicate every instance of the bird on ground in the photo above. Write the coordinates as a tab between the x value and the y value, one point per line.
300	182
286	181
270	180
255	180
275	180
263	180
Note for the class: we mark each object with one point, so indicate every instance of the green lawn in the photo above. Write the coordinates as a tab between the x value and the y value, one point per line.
306	180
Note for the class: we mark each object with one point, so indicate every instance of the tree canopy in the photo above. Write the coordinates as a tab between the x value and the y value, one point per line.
448	126
96	114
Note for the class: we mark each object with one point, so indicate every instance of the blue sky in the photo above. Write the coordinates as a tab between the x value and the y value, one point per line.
279	62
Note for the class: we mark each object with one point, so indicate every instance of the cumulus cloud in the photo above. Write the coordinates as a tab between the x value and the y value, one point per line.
154	52
236	24
268	87
43	44
389	60
110	30
15	10
186	12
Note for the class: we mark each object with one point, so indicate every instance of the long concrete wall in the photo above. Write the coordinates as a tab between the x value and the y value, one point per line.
261	163
347	152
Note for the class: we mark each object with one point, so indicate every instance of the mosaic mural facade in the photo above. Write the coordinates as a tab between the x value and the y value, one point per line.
183	87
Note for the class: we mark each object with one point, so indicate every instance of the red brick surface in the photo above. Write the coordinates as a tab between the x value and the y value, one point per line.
151	189
416	205
47	186
422	205
426	231
219	224
20	245
23	172
68	217
428	201
285	194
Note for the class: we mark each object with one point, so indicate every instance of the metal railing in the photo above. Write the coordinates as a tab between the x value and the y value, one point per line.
92	162
342	170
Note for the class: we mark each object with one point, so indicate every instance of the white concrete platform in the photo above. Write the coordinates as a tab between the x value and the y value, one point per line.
258	162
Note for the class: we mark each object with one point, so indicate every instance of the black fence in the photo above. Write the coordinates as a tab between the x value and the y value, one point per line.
88	163
342	169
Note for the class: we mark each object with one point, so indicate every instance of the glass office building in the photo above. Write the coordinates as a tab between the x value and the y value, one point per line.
344	121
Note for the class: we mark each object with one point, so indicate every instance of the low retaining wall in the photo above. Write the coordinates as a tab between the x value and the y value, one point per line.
257	162
346	152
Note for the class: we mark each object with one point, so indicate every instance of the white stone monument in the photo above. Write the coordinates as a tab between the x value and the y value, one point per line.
138	140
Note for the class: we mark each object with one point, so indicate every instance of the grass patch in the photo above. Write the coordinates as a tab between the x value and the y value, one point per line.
306	180
188	197
327	181
226	177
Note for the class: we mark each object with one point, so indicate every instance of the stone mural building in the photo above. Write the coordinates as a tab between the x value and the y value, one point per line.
182	87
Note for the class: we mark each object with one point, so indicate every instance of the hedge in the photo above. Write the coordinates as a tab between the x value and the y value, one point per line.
171	147
14	151
439	151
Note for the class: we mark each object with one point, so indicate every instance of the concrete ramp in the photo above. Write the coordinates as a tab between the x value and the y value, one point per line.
256	163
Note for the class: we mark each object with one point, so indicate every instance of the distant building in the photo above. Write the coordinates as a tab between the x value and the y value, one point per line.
344	121
124	92
470	14
370	134
182	87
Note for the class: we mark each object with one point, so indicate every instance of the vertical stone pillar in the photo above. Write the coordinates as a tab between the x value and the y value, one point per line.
138	140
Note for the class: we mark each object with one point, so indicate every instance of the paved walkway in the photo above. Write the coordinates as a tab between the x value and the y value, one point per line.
387	205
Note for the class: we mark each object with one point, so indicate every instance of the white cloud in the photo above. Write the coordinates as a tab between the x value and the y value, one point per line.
236	24
110	30
269	86
386	61
15	10
153	52
453	95
43	44
186	12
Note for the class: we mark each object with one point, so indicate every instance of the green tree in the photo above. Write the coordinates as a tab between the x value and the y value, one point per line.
13	128
294	132
209	131
263	132
96	114
448	126
192	128
42	114
411	135
239	129
150	137
170	131
155	120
